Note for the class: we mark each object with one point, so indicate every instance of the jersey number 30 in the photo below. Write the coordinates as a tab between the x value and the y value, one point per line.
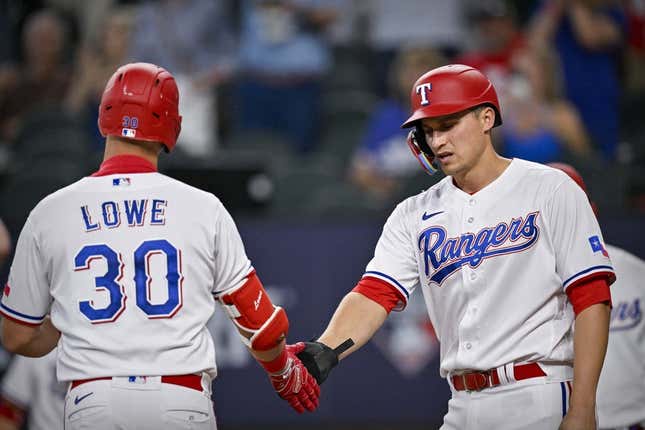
110	280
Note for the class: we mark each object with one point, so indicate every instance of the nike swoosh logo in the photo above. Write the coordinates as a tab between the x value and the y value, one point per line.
78	400
426	217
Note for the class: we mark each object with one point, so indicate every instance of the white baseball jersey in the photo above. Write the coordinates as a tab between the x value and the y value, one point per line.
31	384
494	266
128	265
621	389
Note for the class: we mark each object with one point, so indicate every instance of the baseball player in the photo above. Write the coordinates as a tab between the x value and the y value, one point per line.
507	254
621	389
30	391
121	270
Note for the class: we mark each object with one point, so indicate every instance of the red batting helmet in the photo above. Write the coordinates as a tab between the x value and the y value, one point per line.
444	91
141	101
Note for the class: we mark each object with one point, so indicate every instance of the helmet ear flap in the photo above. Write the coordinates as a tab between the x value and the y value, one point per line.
420	137
419	147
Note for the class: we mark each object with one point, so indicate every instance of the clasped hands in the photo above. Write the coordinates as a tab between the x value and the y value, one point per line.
292	381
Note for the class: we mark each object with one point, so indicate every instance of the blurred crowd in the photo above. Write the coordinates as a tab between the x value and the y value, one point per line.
310	93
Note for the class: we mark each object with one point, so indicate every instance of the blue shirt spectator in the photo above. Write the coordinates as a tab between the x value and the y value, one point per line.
592	82
586	37
383	163
276	40
539	123
195	41
190	37
284	55
383	146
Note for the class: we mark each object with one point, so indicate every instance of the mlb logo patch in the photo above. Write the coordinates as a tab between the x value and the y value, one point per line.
128	132
597	246
121	182
137	379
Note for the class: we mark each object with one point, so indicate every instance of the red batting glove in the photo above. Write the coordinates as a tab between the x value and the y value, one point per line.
291	380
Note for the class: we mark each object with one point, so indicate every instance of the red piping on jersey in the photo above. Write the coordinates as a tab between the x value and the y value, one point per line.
589	291
125	164
9	317
379	291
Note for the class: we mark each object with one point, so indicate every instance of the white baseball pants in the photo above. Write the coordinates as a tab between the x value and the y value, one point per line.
138	403
523	405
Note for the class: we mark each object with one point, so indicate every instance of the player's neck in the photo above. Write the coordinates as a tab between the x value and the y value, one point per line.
149	151
488	168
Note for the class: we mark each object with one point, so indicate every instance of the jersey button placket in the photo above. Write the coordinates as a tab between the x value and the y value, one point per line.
469	214
468	276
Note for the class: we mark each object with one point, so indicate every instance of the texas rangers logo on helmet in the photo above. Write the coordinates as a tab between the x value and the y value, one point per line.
447	255
423	91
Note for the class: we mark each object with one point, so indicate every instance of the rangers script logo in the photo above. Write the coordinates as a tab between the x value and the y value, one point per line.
625	315
445	256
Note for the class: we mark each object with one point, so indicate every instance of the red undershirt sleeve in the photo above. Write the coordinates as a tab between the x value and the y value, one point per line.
589	291
381	292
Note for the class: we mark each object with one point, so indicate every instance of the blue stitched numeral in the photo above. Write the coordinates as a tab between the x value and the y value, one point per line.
110	280
143	279
130	122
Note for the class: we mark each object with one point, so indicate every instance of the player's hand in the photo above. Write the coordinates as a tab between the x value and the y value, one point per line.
578	420
319	359
291	380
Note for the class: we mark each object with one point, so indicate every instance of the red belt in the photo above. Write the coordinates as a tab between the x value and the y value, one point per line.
189	381
477	381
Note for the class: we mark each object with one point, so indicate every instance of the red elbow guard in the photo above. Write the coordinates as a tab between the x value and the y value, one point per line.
251	309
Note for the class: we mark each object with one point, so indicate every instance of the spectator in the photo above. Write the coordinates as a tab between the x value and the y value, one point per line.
87	16
632	148
496	38
393	25
192	39
636	45
96	61
587	34
41	78
383	160
540	125
284	55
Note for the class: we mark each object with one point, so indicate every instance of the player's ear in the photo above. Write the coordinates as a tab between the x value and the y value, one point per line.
486	116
